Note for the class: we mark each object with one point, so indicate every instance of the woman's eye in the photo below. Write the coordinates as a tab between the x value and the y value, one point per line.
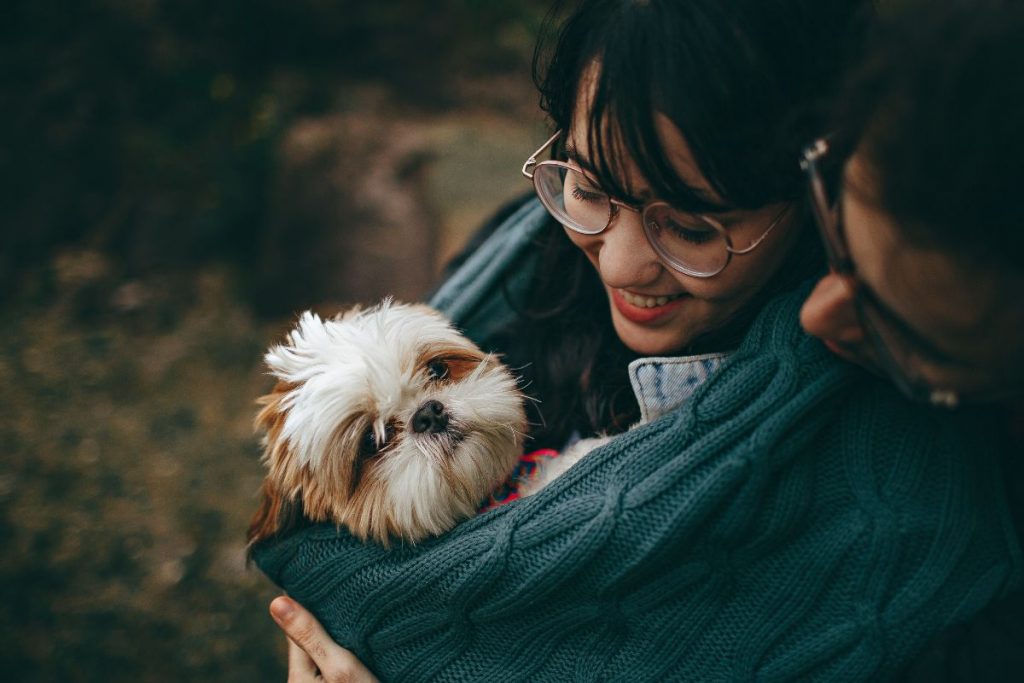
696	236
688	234
585	192
437	369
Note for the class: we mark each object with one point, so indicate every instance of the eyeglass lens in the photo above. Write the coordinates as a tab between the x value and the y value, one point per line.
687	240
572	198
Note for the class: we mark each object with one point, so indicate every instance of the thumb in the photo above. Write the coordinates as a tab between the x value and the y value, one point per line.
305	636
311	650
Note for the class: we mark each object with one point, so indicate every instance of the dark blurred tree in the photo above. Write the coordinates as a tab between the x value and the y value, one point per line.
148	128
161	135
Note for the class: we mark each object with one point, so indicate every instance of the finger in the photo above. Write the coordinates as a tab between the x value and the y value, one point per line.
301	667
303	630
311	649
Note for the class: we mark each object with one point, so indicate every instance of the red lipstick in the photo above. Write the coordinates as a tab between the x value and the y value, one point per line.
641	315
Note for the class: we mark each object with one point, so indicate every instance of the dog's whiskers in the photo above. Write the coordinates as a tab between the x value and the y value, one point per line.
439	447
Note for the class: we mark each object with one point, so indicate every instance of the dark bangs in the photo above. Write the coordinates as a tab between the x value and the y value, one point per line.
741	83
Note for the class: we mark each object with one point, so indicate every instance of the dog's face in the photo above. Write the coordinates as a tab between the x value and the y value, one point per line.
385	420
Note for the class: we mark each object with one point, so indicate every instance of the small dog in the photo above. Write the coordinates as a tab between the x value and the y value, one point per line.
385	420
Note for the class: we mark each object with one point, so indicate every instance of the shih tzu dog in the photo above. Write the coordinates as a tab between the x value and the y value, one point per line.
385	420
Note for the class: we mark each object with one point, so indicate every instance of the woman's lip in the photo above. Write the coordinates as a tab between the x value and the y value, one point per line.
637	314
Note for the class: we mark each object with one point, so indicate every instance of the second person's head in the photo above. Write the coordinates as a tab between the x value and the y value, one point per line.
918	192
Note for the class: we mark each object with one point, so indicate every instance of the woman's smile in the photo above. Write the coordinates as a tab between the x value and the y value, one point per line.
657	310
642	309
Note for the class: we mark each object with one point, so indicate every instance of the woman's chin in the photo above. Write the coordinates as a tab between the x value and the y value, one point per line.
651	341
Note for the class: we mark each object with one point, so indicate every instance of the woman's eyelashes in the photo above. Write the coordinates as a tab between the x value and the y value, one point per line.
587	195
692	235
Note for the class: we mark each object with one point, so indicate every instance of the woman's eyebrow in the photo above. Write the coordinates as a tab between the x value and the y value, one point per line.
723	213
574	155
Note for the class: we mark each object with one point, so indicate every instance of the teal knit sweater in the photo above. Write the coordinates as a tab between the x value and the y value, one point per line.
793	520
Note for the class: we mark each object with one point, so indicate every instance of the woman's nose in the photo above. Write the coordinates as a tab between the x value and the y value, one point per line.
626	259
829	312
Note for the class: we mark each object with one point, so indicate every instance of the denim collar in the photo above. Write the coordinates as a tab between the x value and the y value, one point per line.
663	384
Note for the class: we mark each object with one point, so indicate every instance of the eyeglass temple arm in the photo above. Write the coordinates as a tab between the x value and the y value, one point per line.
813	153
753	245
808	162
532	161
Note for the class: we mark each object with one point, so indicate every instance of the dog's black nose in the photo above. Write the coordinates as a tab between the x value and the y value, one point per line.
431	417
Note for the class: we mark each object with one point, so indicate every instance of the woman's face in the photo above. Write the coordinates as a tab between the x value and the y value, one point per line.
657	310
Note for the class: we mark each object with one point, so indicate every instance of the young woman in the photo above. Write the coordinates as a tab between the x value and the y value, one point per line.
780	514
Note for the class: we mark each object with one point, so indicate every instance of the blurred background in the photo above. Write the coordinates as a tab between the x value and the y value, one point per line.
178	180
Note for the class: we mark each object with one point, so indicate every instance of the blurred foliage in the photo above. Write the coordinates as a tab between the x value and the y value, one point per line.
147	128
145	160
128	473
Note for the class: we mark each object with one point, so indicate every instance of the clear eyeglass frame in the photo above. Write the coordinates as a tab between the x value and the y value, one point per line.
648	213
896	353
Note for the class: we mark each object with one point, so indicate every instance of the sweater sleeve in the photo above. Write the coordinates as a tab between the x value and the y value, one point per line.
477	296
793	520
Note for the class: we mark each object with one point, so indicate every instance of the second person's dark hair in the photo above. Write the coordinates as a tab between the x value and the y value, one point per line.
936	110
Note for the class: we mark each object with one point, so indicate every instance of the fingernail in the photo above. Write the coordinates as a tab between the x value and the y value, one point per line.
281	608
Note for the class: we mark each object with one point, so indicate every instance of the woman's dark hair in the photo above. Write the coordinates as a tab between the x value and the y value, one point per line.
746	82
936	110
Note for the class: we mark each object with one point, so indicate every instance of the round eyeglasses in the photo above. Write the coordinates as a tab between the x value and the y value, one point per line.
691	243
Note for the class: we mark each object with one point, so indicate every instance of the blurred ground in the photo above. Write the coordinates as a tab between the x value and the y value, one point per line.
179	181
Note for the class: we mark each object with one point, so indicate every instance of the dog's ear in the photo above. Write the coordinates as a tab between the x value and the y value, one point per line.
276	515
270	419
280	510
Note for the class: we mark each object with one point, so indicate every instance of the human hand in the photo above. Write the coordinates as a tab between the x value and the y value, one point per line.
312	655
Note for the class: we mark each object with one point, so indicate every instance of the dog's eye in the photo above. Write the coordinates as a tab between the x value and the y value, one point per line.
437	369
368	445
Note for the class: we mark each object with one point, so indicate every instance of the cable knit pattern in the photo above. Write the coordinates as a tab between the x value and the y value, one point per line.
793	520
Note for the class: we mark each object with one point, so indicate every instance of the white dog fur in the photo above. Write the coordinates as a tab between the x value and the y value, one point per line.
385	420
